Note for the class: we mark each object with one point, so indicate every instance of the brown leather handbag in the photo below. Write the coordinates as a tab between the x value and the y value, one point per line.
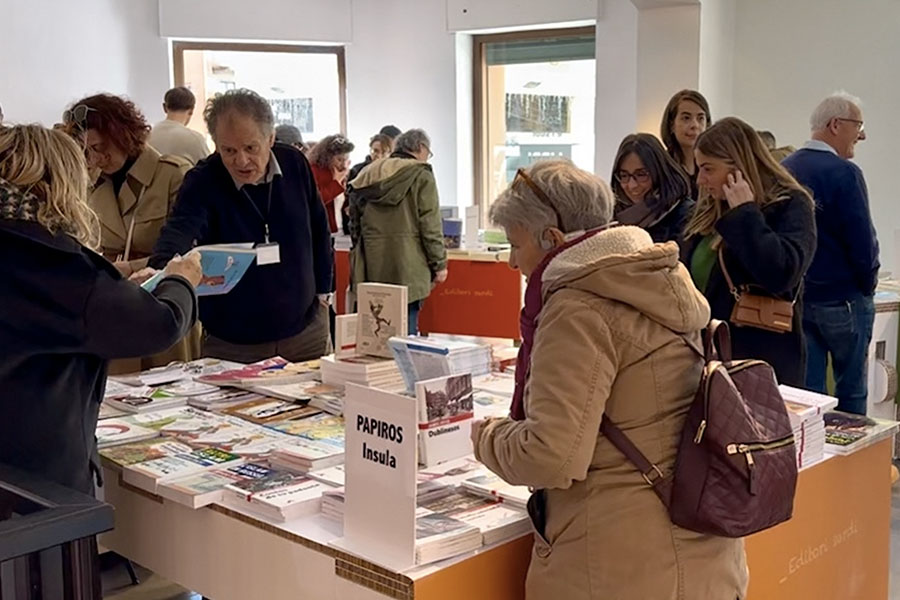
754	310
736	468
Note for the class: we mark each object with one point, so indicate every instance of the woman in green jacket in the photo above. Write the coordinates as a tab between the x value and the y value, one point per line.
396	223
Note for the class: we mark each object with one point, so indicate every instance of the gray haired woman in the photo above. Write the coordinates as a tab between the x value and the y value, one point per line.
605	313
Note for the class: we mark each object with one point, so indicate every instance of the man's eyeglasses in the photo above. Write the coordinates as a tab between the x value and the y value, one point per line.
641	176
77	115
430	153
860	126
542	196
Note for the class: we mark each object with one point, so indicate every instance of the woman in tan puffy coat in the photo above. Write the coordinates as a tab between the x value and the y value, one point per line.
604	312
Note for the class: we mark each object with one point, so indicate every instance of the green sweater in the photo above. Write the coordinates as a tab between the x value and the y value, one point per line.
397	225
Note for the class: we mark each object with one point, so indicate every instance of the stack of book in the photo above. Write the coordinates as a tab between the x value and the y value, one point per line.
263	411
369	371
420	359
439	537
427	490
317	443
139	452
497	521
207	487
846	433
489	485
278	496
121	430
807	410
148	475
333	504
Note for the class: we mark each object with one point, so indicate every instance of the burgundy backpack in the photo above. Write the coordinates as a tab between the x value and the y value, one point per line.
736	469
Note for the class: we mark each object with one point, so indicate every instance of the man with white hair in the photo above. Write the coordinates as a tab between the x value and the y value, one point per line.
838	300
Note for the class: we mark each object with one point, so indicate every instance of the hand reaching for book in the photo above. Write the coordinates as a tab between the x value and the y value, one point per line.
187	266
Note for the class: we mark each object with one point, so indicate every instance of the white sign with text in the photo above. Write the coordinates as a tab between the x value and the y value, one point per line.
380	470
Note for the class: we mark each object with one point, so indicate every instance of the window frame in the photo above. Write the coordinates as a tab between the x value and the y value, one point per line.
480	150
179	47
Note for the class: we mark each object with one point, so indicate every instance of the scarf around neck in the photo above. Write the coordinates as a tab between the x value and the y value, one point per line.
528	323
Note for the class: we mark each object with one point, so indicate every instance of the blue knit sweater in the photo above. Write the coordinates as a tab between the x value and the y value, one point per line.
846	261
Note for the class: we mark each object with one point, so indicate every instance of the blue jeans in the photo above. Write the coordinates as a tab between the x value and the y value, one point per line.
843	330
414	308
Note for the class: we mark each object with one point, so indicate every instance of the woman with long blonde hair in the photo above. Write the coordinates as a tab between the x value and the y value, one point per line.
748	244
56	336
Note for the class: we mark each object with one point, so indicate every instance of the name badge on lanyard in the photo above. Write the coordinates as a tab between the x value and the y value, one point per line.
267	253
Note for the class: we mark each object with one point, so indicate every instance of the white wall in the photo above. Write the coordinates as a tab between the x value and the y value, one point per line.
401	70
717	35
472	15
784	65
57	51
274	20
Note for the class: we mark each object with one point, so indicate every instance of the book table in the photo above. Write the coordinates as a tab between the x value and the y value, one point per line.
481	297
836	547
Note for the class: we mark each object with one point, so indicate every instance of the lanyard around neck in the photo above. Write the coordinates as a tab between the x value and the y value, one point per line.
264	218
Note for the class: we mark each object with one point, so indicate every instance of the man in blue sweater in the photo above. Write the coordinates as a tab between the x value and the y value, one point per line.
838	300
255	191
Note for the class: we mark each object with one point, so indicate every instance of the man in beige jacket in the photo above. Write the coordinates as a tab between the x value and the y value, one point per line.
604	314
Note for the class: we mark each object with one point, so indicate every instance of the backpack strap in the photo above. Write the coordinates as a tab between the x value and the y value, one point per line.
717	341
652	474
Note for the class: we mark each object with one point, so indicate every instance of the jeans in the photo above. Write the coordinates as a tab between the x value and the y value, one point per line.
843	330
414	308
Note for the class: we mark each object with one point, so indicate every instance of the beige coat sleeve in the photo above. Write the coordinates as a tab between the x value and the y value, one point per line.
573	365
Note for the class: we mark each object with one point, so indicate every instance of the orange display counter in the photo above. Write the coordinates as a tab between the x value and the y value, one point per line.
481	297
836	547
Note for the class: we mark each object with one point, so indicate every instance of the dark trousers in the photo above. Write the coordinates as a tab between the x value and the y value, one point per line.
310	344
844	331
413	316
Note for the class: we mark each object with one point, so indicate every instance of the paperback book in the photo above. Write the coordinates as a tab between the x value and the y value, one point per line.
345	327
446	412
140	452
207	487
223	267
846	433
271	370
490	485
421	359
382	314
494	519
120	430
280	496
270	410
148	475
439	537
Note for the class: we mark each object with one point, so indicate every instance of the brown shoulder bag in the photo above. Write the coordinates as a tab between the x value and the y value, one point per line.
755	310
736	469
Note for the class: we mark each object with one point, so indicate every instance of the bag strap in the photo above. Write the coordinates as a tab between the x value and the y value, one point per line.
717	341
652	474
731	287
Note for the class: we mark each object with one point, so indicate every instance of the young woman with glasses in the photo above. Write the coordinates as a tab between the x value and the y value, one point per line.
652	192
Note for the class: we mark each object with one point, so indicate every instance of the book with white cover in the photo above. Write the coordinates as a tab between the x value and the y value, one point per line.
817	403
204	488
495	519
299	391
148	475
420	359
345	327
446	413
280	496
454	472
383	314
332	475
490	485
270	410
439	537
120	430
303	455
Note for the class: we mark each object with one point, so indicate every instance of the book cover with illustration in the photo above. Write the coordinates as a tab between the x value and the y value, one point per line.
139	452
120	430
271	370
321	427
207	487
446	412
846	433
382	311
223	267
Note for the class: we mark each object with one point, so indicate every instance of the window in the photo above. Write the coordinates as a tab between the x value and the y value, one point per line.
534	99
304	84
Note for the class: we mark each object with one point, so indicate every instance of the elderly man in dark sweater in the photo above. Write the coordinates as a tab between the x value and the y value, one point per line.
258	192
838	306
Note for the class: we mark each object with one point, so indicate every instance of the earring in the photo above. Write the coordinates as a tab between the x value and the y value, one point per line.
546	244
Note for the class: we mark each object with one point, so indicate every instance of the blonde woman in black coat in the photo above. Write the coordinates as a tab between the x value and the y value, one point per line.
56	336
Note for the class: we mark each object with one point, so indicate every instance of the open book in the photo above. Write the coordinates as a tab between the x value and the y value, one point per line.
223	267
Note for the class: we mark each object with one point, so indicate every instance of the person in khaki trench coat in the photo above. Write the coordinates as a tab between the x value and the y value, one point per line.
608	307
132	197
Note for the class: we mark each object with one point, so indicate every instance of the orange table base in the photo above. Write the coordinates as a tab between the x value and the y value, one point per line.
479	298
837	545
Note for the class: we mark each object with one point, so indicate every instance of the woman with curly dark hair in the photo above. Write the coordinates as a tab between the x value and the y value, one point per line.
133	194
330	161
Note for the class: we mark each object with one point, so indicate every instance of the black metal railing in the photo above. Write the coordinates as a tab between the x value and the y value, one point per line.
48	547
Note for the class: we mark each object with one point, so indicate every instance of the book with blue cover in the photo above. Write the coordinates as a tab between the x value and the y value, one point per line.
223	267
